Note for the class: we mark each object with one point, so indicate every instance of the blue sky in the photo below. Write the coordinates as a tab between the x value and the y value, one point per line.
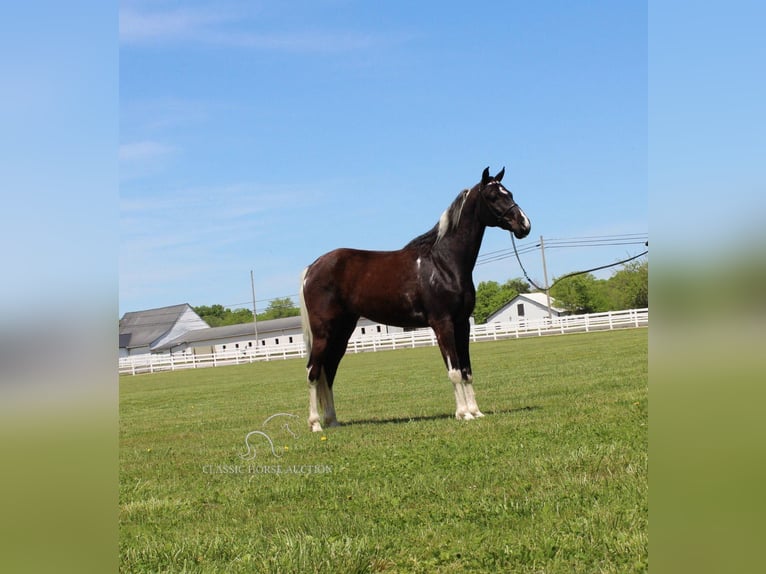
259	135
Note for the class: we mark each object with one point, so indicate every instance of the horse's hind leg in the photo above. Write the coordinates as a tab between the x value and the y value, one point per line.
314	400
315	377
326	353
320	395
326	400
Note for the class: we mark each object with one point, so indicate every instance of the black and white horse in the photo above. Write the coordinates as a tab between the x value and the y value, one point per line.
427	283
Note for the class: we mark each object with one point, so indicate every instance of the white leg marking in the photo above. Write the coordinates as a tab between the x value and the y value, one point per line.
313	410
461	408
313	407
470	399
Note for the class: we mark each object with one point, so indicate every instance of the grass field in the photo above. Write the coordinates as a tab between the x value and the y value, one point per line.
553	479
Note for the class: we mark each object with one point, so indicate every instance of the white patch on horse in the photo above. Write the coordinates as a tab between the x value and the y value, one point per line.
443	225
462	411
451	216
470	398
313	406
418	263
526	220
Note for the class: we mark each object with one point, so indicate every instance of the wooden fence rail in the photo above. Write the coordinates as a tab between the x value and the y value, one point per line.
152	363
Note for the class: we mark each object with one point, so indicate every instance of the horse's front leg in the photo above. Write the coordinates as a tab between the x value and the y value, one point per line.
462	340
458	376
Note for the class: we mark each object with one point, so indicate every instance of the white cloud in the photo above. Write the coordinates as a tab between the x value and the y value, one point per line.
298	42
222	27
139	26
144	150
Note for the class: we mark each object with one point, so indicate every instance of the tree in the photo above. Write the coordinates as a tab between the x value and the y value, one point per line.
580	294
628	288
218	315
279	308
490	296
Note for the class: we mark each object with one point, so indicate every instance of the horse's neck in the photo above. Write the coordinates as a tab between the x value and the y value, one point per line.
464	241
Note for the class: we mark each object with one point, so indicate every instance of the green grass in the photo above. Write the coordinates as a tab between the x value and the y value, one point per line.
553	479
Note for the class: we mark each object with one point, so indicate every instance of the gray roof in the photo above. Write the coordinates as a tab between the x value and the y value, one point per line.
141	328
238	330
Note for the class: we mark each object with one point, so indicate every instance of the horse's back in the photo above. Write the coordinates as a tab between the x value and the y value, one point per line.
345	266
379	285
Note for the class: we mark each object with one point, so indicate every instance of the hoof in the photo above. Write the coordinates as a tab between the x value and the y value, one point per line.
464	416
478	414
315	427
333	423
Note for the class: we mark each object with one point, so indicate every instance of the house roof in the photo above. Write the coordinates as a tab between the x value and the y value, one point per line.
141	328
540	299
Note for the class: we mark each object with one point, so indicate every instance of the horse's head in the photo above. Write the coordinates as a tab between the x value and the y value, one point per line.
500	210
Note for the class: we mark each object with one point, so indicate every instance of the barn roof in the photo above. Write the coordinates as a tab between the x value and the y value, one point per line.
238	330
141	328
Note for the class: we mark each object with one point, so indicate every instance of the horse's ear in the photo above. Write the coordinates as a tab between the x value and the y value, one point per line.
500	174
485	176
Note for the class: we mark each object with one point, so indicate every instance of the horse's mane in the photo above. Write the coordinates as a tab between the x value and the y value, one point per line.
448	221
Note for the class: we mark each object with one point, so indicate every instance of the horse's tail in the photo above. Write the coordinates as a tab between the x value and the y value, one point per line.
308	337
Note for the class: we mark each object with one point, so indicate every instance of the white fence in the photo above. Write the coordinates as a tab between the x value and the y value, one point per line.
149	363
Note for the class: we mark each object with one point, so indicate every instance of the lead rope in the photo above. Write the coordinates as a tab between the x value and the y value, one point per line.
536	286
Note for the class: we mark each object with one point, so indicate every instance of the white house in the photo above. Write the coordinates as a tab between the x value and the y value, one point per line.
526	307
145	331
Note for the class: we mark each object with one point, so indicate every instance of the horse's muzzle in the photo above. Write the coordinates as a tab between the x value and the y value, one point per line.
521	231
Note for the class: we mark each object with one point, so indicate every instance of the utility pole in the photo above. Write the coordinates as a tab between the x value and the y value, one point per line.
255	316
545	276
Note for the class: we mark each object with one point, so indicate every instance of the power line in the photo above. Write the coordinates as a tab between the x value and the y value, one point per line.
547	287
567	243
483	259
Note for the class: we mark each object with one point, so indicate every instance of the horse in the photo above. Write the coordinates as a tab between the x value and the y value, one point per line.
427	283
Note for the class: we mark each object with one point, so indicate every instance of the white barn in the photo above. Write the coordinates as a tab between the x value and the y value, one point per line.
147	331
239	337
178	329
526	307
